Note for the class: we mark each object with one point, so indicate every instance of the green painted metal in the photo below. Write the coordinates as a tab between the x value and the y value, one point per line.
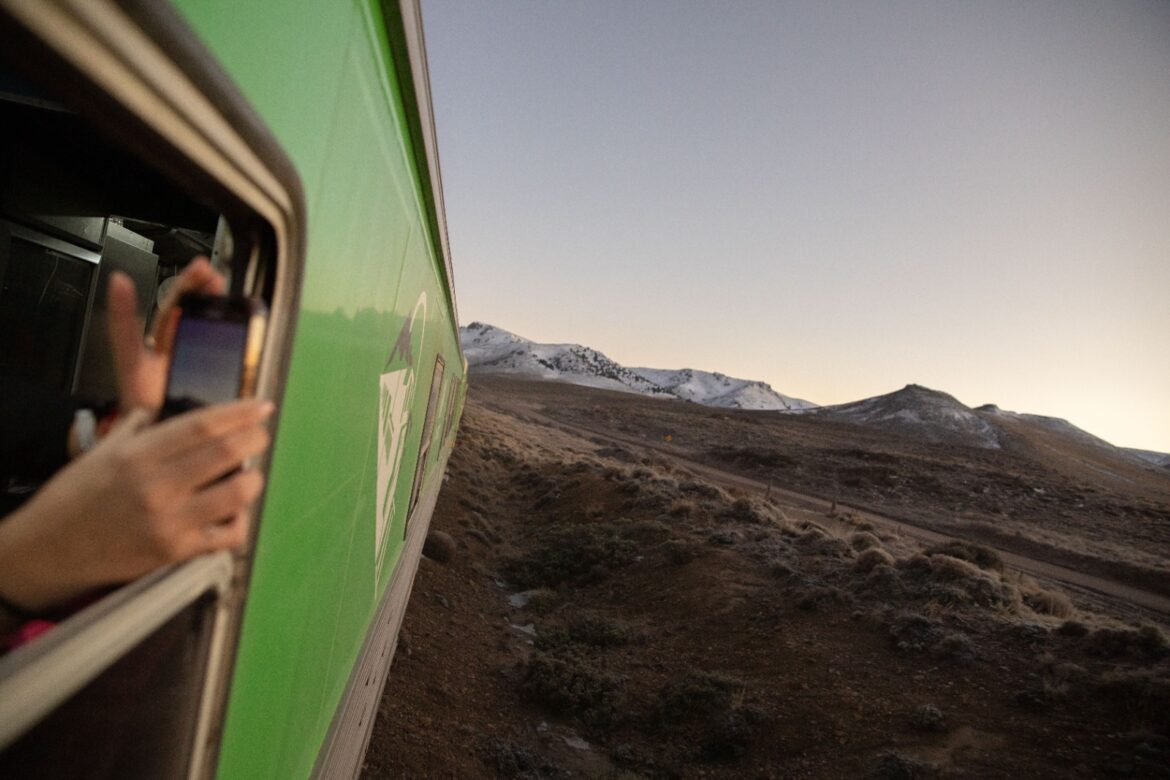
321	75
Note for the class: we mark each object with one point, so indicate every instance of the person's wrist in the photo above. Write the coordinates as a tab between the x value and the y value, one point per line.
30	582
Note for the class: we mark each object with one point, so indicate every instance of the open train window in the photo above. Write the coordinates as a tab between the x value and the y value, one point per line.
124	147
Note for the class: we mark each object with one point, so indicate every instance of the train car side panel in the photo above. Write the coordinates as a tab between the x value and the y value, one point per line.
375	315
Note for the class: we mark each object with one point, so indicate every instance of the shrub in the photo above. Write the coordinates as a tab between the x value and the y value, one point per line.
581	553
568	682
514	760
912	632
928	718
953	581
589	629
747	511
944	568
894	766
953	647
864	541
698	695
1049	602
1146	642
882	582
1141	693
542	601
871	558
983	557
1074	628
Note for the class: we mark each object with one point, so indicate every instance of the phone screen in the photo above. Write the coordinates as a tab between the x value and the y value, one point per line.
206	363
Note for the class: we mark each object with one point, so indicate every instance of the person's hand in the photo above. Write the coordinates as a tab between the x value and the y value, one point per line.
141	366
143	498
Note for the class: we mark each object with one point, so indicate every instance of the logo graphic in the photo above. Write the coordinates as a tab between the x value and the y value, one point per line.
395	396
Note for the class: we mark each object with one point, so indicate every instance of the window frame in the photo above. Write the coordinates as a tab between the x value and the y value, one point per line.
135	70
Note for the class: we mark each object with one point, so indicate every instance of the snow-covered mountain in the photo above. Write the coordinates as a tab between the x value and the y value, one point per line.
920	412
715	389
493	350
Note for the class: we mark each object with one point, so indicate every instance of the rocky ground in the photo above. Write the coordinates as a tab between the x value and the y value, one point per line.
608	594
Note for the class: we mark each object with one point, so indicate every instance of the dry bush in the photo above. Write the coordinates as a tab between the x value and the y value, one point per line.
813	598
511	759
1073	628
683	507
586	629
614	473
583	553
703	490
714	703
748	511
1145	643
874	556
912	633
944	568
950	581
827	546
953	646
1049	602
895	766
698	695
863	540
978	554
541	601
1144	694
882	582
725	537
1062	679
570	682
928	718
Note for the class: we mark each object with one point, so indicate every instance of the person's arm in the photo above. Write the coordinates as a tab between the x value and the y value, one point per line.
143	498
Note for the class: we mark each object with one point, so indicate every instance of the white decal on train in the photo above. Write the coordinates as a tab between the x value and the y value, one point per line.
395	397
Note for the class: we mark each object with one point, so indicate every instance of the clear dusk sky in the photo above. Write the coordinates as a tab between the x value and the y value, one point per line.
838	198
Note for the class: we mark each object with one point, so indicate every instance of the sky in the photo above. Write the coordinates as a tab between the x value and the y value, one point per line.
838	198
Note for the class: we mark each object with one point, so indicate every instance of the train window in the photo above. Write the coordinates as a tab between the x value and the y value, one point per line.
450	421
427	431
105	166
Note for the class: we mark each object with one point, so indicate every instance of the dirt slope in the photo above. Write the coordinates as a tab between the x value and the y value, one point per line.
603	609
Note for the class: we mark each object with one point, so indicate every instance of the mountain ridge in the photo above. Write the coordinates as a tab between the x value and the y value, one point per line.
489	348
914	410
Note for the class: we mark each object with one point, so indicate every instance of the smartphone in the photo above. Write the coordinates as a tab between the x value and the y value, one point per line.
215	352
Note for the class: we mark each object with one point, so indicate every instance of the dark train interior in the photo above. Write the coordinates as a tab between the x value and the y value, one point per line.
73	209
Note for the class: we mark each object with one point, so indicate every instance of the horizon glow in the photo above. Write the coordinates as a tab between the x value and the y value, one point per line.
838	199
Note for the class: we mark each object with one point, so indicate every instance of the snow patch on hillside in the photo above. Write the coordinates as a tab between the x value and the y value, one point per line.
494	350
920	412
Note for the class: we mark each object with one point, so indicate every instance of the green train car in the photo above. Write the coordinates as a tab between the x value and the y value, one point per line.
293	143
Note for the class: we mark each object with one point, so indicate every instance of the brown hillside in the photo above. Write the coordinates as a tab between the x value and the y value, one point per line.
618	605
